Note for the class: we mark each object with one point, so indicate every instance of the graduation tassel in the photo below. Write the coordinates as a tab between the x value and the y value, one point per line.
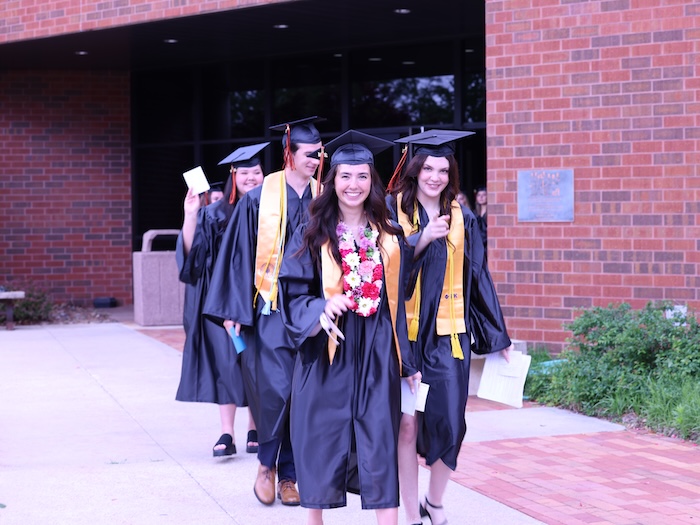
319	173
456	347
288	155
267	308
232	197
395	177
413	330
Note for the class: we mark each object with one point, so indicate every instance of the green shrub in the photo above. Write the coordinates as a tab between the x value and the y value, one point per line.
621	362
33	309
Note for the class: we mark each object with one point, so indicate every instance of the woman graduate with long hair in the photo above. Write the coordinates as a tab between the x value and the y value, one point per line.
453	309
342	301
211	372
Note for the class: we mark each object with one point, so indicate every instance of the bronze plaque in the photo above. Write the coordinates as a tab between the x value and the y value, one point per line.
545	195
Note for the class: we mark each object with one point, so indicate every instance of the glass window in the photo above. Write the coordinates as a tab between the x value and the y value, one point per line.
163	102
305	86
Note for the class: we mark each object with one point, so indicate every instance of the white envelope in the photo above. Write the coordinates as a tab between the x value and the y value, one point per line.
502	381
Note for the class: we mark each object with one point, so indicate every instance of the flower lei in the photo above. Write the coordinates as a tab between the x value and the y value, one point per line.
362	268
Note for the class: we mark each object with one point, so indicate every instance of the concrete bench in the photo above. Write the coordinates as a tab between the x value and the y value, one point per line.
9	299
476	366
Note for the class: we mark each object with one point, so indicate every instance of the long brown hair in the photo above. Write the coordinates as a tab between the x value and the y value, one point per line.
324	216
407	185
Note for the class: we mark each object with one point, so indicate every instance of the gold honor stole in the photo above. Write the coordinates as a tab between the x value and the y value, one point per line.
450	317
272	229
332	281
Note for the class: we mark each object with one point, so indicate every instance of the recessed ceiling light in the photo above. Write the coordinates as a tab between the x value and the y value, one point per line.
409	62
402	11
170	40
374	59
81	53
468	50
338	55
280	26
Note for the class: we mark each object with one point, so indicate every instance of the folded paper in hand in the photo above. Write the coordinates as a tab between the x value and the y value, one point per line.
502	381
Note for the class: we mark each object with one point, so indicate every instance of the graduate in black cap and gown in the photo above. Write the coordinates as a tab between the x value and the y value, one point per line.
453	308
211	372
216	191
342	301
244	298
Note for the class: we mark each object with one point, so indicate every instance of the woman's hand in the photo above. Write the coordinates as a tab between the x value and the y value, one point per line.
414	381
506	352
337	305
228	324
438	227
192	203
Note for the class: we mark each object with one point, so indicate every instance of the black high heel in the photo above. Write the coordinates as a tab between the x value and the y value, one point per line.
424	511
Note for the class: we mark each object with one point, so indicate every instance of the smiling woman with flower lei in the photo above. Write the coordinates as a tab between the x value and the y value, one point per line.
343	305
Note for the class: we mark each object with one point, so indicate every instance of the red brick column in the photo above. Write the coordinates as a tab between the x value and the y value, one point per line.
611	90
65	177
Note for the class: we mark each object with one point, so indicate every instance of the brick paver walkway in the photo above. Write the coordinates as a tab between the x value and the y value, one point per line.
617	478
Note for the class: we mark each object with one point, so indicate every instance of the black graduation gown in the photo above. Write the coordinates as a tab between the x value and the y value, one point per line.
268	361
350	406
442	427
211	372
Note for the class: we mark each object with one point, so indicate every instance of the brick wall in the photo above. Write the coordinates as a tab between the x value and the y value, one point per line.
610	90
65	177
24	20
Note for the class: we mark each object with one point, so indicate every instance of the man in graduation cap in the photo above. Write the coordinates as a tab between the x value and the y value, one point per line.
211	372
342	274
244	298
453	309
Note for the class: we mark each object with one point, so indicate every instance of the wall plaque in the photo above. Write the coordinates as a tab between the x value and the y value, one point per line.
545	195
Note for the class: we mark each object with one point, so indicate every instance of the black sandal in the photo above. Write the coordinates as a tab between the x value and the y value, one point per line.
230	446
252	438
424	511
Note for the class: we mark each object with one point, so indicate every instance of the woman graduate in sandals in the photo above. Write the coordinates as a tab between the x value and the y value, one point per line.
453	308
211	372
342	303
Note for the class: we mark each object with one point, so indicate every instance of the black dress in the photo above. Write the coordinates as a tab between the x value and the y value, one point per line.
268	361
345	415
211	371
442	427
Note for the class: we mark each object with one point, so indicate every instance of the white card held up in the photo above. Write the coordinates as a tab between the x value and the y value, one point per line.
196	180
502	381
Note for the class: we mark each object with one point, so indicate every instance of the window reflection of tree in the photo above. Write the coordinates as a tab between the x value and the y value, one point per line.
247	112
402	102
474	99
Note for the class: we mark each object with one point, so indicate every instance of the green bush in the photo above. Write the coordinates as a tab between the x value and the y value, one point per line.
33	309
621	362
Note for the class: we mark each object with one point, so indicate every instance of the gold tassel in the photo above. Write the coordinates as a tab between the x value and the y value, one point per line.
456	347
413	330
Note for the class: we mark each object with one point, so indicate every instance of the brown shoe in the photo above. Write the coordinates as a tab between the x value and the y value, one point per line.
287	492
265	485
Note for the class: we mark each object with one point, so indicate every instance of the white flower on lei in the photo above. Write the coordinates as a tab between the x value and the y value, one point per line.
352	260
353	279
364	305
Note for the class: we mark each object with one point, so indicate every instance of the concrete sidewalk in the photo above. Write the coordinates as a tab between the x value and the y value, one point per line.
90	433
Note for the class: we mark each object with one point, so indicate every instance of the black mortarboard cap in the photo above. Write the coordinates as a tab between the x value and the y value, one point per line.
245	156
216	186
354	147
301	131
435	142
